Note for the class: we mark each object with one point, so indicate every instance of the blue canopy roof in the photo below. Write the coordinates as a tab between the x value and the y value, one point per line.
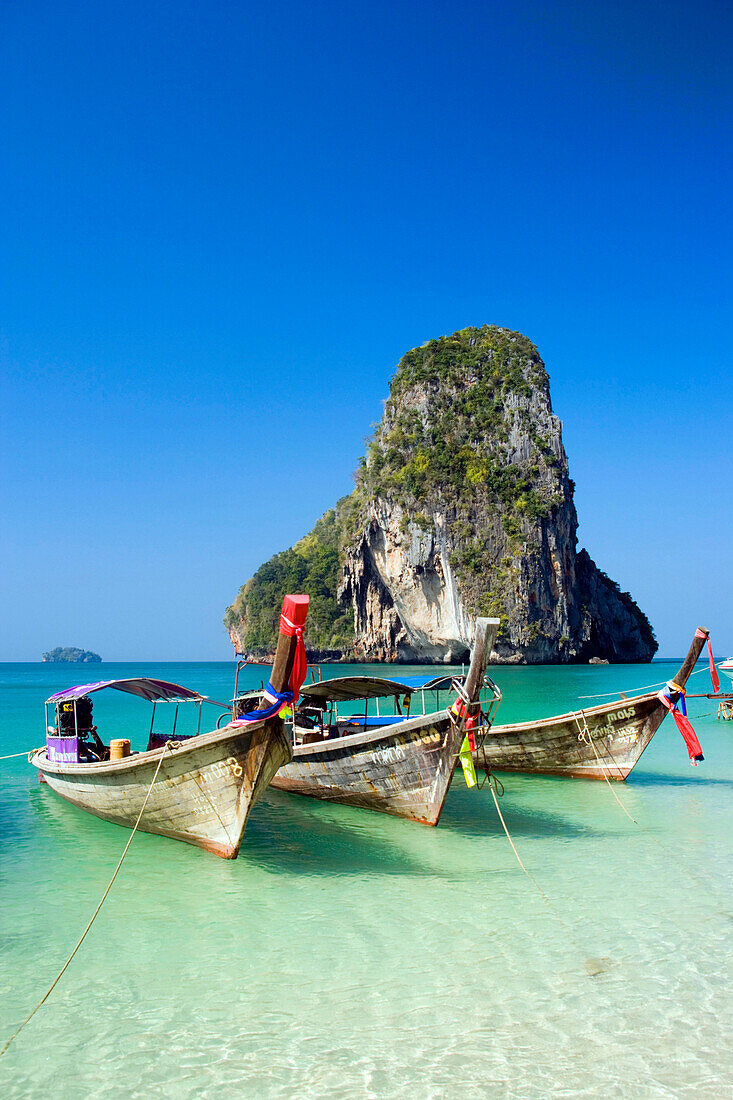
342	688
433	683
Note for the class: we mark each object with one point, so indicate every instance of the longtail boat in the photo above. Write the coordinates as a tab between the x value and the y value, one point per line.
399	765
206	785
597	742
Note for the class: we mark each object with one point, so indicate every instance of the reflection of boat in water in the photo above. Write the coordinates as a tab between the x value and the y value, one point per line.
399	763
595	742
206	785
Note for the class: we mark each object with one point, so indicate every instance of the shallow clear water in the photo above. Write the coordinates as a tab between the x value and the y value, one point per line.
347	953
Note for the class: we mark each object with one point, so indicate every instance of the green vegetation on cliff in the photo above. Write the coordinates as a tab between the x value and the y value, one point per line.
463	496
444	445
441	445
311	566
445	429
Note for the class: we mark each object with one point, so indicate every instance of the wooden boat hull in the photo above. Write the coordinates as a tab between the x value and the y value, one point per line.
404	769
603	742
204	792
617	734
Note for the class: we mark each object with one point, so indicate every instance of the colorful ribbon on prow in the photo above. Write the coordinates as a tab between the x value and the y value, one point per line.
468	745
714	678
673	697
292	619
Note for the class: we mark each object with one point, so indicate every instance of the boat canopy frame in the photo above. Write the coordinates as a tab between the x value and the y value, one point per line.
146	688
325	697
344	689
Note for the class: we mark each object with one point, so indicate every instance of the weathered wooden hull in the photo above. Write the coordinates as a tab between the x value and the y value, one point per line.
617	734
204	791
403	770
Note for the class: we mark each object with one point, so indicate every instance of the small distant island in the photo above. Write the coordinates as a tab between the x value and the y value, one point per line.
71	654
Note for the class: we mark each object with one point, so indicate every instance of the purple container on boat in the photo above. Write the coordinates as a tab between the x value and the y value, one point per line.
63	750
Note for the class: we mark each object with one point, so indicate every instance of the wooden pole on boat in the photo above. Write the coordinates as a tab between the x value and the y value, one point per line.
701	637
486	630
295	609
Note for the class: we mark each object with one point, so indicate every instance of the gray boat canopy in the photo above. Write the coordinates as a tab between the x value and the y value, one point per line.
152	690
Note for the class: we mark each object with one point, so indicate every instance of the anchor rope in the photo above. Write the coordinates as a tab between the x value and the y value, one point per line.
514	847
488	776
636	690
495	785
591	965
586	735
26	752
589	736
169	745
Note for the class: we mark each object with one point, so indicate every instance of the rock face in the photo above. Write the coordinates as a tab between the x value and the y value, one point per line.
405	597
408	603
463	506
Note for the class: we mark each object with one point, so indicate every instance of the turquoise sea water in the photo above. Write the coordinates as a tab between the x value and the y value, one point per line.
348	954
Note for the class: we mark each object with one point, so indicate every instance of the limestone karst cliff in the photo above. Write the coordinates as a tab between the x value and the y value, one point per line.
463	506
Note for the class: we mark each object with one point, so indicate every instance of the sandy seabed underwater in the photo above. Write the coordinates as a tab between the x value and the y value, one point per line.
351	954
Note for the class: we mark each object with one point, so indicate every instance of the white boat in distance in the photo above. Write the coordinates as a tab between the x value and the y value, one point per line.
727	667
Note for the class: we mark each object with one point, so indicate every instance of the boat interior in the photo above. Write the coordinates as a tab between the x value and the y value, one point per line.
72	735
331	709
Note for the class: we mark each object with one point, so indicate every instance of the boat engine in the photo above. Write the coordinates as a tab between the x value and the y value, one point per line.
70	722
75	738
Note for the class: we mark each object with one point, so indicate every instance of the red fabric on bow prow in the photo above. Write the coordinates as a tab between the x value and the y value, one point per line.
295	609
693	745
689	736
300	665
714	678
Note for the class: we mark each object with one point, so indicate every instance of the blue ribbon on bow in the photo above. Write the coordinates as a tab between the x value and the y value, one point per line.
678	703
281	697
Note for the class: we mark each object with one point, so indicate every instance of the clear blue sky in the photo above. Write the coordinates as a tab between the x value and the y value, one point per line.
223	224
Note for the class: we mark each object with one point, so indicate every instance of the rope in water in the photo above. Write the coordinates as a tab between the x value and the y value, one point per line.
27	753
495	785
592	966
514	847
49	991
587	735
